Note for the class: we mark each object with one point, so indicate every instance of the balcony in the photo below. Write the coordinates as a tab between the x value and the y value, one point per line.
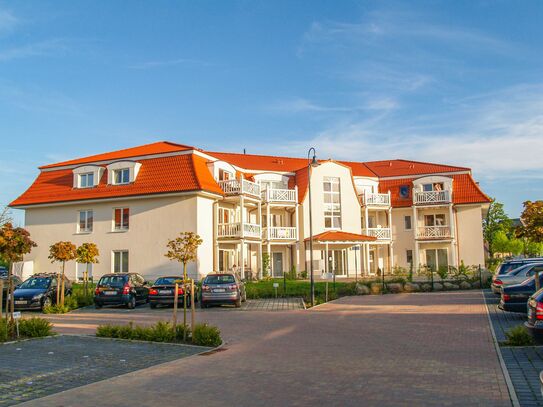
236	230
433	232
378	233
280	233
238	187
431	197
370	199
280	195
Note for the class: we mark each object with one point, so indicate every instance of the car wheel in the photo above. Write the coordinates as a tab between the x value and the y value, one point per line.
46	303
152	305
131	302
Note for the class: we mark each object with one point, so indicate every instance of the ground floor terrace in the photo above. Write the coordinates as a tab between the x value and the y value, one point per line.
431	349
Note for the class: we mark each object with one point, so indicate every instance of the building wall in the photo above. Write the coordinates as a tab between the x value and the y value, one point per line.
403	239
152	222
470	234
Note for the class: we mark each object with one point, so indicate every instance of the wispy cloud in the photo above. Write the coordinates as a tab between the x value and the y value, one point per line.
8	21
302	105
171	62
38	100
41	48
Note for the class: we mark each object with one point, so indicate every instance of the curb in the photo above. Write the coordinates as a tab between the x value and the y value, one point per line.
510	387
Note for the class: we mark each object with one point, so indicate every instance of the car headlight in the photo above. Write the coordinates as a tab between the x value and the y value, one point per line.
37	297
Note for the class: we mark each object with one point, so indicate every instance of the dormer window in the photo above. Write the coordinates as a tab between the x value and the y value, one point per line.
435	186
121	176
86	180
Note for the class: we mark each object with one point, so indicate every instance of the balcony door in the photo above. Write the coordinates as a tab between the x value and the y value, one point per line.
436	258
277	264
337	263
434	220
225	260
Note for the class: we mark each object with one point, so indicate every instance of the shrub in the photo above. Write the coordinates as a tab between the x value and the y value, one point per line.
35	327
518	336
3	330
82	299
179	331
442	272
206	335
57	308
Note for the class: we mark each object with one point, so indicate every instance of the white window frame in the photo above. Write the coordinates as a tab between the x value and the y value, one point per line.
113	255
86	229
121	171
121	228
85	176
333	208
410	222
434	217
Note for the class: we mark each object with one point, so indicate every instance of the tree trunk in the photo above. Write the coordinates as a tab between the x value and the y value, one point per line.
58	288
62	285
10	307
184	301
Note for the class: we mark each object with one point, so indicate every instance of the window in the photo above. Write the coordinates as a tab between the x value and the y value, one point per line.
121	219
224	175
86	180
434	220
407	222
272	185
436	259
409	257
404	191
225	215
86	219
121	176
332	203
120	261
436	186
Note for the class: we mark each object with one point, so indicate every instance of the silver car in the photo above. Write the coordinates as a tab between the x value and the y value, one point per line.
516	276
222	288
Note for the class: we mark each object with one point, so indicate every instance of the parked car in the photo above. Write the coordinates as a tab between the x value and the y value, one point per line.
39	291
514	298
507	266
121	289
223	288
534	324
516	276
3	272
16	282
162	292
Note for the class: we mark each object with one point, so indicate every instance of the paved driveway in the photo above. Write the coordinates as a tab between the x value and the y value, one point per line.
430	349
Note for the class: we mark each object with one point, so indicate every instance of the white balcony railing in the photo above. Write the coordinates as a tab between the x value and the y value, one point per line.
376	199
249	230
431	197
379	233
280	195
280	233
237	187
433	232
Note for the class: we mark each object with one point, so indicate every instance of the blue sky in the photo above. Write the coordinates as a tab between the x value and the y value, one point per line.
456	82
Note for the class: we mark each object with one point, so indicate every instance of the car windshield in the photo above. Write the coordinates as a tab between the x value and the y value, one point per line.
112	281
220	279
36	283
167	280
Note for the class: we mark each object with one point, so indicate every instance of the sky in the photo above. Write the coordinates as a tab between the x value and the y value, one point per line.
454	82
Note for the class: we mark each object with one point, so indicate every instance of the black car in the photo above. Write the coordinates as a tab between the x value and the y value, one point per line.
39	291
514	298
121	289
16	282
534	324
163	290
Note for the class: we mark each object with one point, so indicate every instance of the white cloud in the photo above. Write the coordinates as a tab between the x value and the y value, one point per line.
7	21
171	62
41	48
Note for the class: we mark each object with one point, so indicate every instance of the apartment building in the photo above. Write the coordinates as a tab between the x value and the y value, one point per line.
366	216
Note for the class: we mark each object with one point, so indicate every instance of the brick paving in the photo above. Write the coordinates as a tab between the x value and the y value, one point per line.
523	363
433	349
39	367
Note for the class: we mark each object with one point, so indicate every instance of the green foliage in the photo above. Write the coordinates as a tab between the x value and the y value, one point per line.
184	249
265	265
206	335
35	327
532	221
303	274
57	309
495	221
3	330
292	274
518	336
442	272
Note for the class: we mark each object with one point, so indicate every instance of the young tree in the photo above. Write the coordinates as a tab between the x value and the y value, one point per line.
532	225
62	252
5	216
87	254
496	220
14	243
184	249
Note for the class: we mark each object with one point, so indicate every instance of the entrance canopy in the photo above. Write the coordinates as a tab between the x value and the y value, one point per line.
339	237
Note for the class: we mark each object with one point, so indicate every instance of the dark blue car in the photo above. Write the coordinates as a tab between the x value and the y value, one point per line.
39	291
514	298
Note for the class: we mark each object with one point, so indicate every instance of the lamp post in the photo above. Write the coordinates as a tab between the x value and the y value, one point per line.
312	162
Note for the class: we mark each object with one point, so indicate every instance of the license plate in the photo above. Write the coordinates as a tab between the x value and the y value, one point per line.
21	302
164	292
110	292
219	290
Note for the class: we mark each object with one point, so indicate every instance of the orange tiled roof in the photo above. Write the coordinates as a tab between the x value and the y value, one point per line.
339	236
393	168
465	190
159	147
179	173
261	162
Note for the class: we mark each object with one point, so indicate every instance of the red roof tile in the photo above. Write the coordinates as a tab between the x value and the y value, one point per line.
177	173
339	236
465	190
160	147
261	162
393	168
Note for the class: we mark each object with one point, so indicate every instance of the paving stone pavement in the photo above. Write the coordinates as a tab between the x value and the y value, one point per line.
39	367
523	363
